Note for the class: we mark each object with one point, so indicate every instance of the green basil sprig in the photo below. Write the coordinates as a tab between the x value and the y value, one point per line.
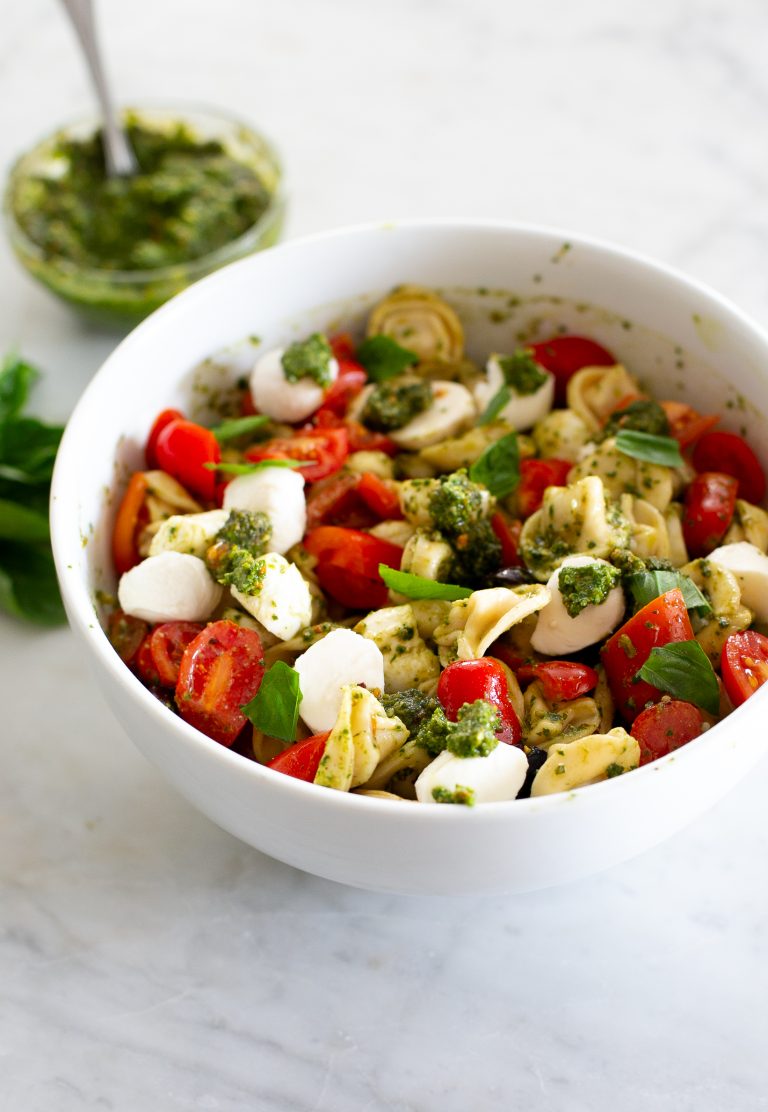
239	426
498	468
645	586
274	709
384	358
645	446
683	670
417	586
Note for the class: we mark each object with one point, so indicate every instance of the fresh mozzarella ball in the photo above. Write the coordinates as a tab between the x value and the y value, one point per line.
283	604
494	778
557	633
280	399
451	409
279	493
340	658
522	411
169	587
750	566
192	533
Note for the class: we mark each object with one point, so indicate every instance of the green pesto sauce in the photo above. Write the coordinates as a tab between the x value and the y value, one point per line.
459	509
642	416
521	372
586	585
473	734
393	404
234	557
463	795
189	199
310	358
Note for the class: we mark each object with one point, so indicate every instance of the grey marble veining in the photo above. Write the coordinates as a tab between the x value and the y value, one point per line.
148	961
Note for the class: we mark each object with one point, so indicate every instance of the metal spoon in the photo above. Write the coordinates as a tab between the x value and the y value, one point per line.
118	154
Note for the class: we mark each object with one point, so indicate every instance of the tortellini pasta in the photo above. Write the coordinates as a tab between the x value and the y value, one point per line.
586	761
649	535
562	434
362	736
407	660
398	772
474	623
575	519
594	392
544	722
721	590
462	451
427	555
750	523
622	474
419	320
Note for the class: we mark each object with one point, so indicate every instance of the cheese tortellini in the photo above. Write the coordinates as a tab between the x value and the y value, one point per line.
621	474
594	393
474	623
407	660
586	761
545	722
362	735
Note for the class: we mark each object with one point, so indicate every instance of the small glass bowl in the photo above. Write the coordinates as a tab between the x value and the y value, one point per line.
123	297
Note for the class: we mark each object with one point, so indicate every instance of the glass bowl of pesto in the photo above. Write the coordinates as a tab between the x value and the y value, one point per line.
508	284
210	192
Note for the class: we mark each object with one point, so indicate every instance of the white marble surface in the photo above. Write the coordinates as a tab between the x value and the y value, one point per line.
148	960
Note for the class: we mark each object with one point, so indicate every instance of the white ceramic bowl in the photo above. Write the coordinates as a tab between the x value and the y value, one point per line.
682	339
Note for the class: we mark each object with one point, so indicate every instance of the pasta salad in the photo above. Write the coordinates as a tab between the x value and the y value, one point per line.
402	573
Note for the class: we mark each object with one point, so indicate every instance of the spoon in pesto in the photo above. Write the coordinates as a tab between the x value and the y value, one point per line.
119	157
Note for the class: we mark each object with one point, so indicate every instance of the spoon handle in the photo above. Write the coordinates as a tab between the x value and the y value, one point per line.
118	155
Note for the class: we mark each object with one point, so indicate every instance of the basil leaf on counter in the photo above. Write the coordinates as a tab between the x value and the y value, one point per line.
384	358
274	709
16	378
239	426
22	524
495	406
416	586
645	586
28	585
249	468
498	468
683	670
663	450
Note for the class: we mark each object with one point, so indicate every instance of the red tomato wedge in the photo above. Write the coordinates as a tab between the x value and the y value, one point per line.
710	501
324	449
164	418
354	501
126	634
220	671
508	533
465	681
301	760
348	565
167	645
182	449
535	476
666	726
661	621
125	551
563	356
561	680
744	665
729	453
144	665
380	496
686	424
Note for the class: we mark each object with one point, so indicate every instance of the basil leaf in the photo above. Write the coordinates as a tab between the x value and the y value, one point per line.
663	450
683	670
229	430
498	468
16	378
495	406
275	707
20	523
645	586
384	358
28	585
416	586
249	468
28	449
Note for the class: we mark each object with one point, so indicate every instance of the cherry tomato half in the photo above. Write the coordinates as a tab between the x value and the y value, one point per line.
350	380
355	501
182	449
220	671
465	681
125	550
535	476
164	418
561	680
729	453
744	665
301	760
325	449
661	621
686	424
666	726
563	356
167	645
508	533
126	634
348	565
710	501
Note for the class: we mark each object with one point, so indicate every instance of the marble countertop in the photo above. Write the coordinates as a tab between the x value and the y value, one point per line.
150	961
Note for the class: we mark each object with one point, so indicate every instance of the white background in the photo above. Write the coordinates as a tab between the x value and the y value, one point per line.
148	960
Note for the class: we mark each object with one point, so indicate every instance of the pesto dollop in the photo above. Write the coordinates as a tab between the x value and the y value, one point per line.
473	734
310	358
234	557
521	372
190	198
460	510
586	585
394	403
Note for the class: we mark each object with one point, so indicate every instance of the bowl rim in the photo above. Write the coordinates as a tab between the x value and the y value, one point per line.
80	607
21	241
